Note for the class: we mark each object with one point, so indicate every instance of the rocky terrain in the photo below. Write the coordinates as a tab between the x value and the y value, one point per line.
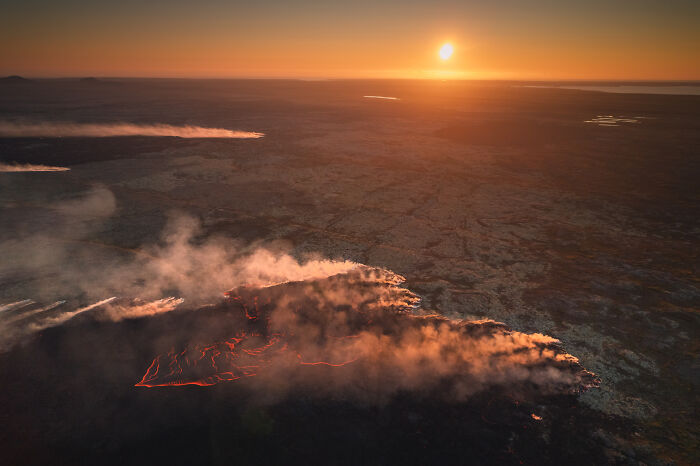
494	201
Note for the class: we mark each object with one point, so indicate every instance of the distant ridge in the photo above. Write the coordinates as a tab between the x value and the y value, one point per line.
14	79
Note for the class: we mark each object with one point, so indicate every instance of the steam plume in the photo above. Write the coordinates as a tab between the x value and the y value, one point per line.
286	324
33	312
139	308
96	130
15	305
359	334
12	168
66	316
64	265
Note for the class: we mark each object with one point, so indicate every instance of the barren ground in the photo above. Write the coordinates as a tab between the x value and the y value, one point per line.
493	201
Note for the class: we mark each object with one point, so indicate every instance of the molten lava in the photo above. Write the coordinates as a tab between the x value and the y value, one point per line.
364	323
241	356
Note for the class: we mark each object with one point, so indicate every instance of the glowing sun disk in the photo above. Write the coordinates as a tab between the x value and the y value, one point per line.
446	51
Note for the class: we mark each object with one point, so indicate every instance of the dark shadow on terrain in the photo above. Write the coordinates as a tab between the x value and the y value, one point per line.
70	397
75	151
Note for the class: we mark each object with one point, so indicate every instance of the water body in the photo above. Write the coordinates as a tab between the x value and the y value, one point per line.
380	97
632	89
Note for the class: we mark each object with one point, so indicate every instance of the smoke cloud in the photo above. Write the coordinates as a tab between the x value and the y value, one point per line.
96	130
252	312
360	335
98	203
54	320
65	264
138	308
26	167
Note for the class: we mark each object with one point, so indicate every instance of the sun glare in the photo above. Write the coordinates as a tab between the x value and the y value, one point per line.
446	51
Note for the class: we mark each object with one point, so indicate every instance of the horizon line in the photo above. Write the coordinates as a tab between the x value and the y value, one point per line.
300	78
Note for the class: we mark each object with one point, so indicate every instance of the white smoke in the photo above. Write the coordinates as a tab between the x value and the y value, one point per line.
97	130
323	313
64	264
138	308
366	338
15	168
59	319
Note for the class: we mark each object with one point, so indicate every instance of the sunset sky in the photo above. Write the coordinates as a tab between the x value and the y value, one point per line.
499	39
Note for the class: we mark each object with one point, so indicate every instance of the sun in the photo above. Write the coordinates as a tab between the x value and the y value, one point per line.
446	51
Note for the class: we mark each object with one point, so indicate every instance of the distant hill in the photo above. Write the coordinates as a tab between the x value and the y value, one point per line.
14	79
89	80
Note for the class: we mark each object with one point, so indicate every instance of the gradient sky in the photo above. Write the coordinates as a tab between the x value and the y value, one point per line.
503	39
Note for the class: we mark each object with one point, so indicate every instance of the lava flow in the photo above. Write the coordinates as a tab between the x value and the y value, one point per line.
360	333
240	356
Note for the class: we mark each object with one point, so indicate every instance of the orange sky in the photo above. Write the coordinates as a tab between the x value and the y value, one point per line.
506	39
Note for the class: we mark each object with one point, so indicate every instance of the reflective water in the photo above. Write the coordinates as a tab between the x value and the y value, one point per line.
380	97
633	89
